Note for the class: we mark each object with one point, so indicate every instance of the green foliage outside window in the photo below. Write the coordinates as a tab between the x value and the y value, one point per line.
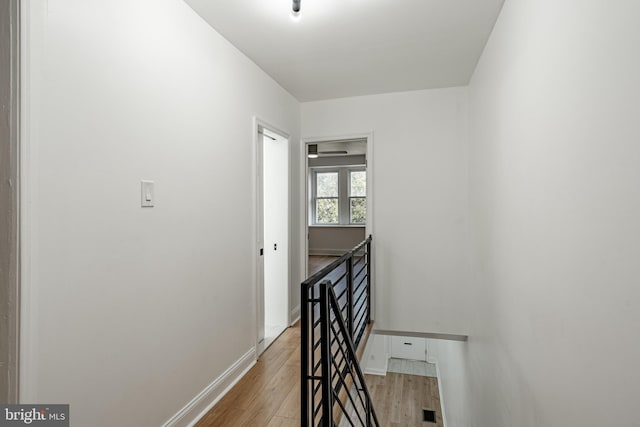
358	210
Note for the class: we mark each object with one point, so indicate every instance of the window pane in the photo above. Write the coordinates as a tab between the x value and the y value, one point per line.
358	184
327	211
327	184
358	210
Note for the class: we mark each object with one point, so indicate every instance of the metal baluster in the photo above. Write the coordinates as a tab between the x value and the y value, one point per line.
304	357
368	288
350	301
325	348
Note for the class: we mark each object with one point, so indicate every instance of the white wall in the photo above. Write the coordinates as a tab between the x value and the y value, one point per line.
129	313
555	176
328	240
451	359
420	220
375	359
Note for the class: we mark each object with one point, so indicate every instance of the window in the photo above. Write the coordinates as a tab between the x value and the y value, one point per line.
327	194
339	196
357	197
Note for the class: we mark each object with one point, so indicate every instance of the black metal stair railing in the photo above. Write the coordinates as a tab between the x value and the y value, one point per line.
335	312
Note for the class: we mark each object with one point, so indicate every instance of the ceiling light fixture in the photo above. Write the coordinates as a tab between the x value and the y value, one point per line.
313	151
295	10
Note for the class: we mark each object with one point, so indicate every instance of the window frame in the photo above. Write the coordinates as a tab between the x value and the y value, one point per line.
344	195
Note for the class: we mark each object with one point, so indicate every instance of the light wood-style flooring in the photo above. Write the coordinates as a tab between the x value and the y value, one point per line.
400	398
269	394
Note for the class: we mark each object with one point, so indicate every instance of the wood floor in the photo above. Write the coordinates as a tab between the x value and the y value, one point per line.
269	394
400	398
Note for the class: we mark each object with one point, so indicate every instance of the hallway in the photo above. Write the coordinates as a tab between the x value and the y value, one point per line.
502	152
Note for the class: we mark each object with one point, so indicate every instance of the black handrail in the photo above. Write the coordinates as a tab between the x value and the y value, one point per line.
334	317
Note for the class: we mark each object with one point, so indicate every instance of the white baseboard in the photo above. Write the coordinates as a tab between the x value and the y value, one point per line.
379	372
434	361
207	398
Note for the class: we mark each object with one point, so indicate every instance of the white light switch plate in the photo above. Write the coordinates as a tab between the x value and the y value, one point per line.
146	195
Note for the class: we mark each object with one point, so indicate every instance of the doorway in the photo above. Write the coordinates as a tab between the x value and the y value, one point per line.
338	201
273	235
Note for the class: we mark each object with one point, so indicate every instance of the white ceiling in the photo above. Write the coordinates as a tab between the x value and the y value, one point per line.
343	48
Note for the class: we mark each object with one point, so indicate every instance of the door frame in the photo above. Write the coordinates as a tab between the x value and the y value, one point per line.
304	227
258	309
10	283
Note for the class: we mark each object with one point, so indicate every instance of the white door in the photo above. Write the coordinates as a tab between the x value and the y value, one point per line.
275	237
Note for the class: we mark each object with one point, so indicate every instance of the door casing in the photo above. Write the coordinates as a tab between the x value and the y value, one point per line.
304	229
259	311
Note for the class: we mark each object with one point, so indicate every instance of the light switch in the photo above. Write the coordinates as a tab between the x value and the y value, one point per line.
147	194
